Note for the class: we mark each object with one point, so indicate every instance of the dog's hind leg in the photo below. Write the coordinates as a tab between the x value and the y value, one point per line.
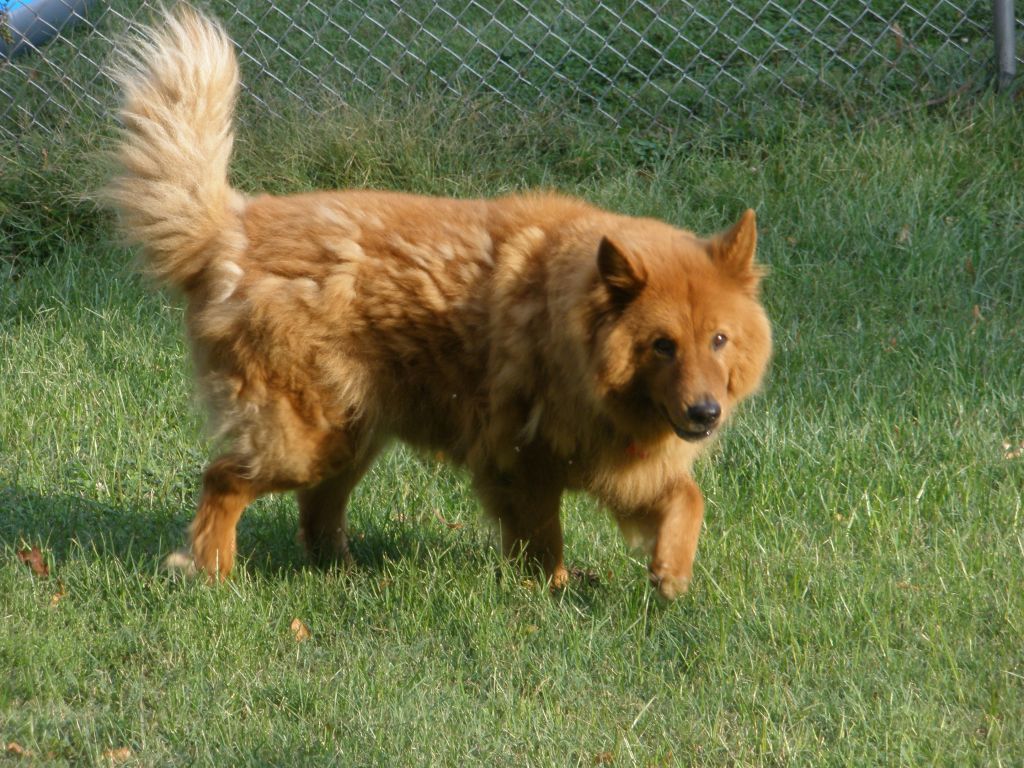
322	509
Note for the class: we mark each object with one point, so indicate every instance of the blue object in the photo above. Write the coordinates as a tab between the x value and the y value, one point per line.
27	24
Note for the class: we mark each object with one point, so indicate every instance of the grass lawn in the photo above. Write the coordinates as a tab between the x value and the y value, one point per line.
858	593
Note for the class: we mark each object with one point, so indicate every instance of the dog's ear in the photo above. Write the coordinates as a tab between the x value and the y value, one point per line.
733	251
624	277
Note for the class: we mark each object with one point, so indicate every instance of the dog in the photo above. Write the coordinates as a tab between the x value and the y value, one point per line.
542	343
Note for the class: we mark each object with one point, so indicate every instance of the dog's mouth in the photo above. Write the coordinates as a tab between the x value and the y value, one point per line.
690	435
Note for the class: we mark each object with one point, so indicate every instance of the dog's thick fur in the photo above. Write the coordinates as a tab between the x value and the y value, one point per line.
541	342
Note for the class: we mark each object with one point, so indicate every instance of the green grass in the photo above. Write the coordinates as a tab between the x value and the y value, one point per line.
858	595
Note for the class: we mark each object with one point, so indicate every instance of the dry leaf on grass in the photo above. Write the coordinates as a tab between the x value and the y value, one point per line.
14	749
35	560
907	586
118	755
58	595
586	575
300	630
1010	451
446	523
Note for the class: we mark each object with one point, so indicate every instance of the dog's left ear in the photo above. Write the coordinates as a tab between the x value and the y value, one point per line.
733	251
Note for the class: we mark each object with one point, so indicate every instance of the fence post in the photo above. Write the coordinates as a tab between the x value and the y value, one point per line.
1003	29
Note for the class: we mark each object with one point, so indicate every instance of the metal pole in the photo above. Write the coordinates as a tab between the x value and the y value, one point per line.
1003	23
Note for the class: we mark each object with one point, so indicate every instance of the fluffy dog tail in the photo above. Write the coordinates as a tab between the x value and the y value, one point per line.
179	82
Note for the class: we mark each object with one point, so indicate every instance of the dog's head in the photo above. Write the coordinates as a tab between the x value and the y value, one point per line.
678	336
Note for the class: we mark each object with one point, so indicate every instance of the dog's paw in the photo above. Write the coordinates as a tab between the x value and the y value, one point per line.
326	552
180	563
669	585
559	579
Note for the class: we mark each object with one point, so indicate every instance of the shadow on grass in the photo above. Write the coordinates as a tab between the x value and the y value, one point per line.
141	535
64	525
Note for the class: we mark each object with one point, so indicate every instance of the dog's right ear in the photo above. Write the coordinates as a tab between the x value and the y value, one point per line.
624	277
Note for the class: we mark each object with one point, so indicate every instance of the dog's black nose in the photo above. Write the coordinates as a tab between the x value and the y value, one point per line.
705	413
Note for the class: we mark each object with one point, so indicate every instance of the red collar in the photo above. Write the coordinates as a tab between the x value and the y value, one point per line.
634	451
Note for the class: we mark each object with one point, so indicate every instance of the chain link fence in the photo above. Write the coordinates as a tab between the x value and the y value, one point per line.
634	63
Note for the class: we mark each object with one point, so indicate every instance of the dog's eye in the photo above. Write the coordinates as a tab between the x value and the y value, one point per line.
664	347
718	341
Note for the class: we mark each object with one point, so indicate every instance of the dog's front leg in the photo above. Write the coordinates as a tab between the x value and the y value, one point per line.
668	530
526	505
679	520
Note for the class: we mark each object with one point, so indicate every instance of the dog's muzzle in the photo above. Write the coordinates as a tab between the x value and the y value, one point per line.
701	419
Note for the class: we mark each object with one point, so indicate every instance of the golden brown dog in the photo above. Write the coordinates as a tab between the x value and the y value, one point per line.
541	342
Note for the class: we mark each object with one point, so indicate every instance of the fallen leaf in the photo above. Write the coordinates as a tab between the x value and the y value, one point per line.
969	267
904	235
1010	451
604	758
34	559
907	585
16	750
591	577
300	630
118	755
976	313
58	595
454	526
